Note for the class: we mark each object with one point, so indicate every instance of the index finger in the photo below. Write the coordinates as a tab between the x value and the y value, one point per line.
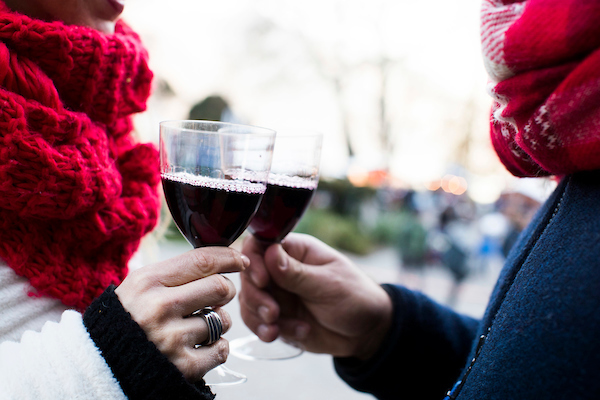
199	263
309	250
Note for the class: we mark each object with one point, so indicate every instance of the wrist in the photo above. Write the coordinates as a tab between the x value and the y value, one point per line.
372	340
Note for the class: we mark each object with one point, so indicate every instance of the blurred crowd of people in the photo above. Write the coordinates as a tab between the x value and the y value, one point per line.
440	229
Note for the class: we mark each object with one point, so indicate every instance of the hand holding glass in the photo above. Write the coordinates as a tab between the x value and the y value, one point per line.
292	183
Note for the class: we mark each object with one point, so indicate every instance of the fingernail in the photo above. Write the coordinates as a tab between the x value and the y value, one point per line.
262	330
254	278
283	260
263	311
246	261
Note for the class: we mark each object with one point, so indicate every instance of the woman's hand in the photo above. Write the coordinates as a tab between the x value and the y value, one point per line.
311	294
161	296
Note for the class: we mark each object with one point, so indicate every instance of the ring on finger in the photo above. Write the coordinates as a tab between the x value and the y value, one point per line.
214	324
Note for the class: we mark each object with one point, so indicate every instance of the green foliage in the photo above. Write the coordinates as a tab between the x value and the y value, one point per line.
403	231
346	198
386	229
343	233
211	109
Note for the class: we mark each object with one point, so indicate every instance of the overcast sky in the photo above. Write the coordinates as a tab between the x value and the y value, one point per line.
254	53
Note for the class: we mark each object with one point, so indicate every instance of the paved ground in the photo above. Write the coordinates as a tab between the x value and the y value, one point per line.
312	376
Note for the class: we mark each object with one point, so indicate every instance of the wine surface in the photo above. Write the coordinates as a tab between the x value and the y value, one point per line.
210	212
281	208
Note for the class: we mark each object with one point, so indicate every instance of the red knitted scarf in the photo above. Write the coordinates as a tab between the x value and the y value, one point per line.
543	57
76	193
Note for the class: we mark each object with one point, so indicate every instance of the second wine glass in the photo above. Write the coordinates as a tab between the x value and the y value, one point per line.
291	186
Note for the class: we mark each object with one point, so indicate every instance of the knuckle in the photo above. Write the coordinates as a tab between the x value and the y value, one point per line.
225	319
203	261
221	350
236	258
222	288
140	281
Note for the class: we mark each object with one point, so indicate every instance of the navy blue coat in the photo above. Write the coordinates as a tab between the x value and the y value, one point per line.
541	327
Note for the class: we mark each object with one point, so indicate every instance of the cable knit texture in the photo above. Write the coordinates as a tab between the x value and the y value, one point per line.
76	193
543	57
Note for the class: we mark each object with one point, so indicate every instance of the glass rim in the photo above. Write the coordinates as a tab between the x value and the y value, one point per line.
178	124
298	132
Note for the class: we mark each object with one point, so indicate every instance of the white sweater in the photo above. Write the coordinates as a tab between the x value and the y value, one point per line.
45	350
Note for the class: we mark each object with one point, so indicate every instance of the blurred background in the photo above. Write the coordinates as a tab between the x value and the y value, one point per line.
410	186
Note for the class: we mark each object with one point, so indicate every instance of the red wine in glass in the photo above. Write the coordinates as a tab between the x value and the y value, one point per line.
210	212
281	208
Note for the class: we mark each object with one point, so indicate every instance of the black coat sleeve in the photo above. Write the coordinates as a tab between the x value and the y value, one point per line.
141	369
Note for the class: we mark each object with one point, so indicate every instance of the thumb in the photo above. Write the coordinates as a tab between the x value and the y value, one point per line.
289	273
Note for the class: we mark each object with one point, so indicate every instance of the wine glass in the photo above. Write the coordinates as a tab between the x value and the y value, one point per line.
214	175
292	183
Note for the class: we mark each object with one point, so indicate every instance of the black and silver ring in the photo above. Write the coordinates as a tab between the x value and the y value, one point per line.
214	323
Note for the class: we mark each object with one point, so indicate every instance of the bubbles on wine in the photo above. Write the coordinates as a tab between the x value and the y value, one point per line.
229	185
293	181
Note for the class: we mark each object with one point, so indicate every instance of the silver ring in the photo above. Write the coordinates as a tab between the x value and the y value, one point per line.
214	323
